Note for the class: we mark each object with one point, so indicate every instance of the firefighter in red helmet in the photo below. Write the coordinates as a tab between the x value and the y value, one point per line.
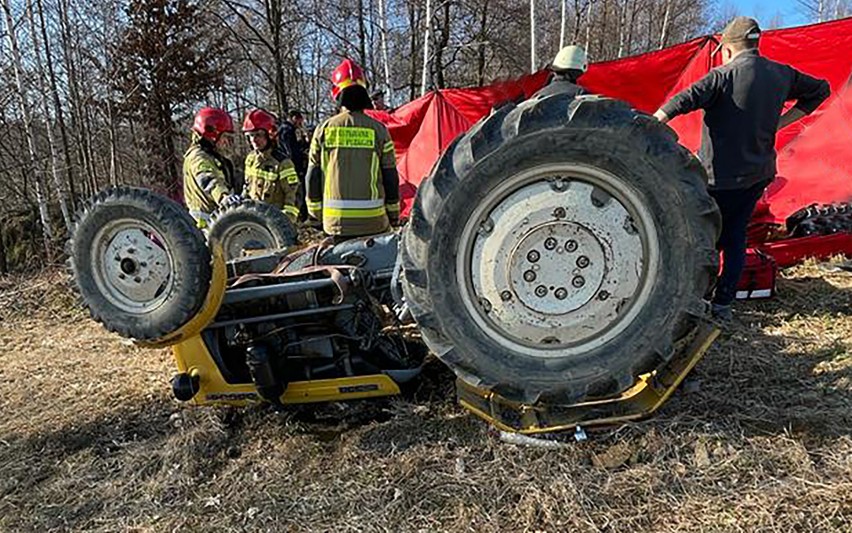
208	176
352	182
270	175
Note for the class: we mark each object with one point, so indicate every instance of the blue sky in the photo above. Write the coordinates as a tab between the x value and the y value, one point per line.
790	12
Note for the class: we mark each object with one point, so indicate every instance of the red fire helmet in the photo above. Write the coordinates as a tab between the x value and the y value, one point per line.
346	74
258	119
211	122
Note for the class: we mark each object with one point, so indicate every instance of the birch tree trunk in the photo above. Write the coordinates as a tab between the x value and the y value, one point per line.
622	19
57	107
664	33
41	198
48	123
384	31
426	36
532	35
113	147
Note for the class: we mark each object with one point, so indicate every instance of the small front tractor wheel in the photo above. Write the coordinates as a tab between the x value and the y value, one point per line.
251	225
139	262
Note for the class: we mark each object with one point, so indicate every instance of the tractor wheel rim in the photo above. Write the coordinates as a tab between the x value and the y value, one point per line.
235	238
558	259
132	266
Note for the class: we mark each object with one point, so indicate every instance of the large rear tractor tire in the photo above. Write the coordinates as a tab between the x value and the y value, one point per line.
559	249
139	262
251	225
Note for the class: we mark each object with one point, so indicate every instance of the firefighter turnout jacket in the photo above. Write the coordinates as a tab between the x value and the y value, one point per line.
271	178
207	179
352	184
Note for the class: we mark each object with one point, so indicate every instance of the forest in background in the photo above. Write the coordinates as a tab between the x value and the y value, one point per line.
102	92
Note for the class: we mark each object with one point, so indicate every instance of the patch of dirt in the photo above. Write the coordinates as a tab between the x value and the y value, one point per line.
90	439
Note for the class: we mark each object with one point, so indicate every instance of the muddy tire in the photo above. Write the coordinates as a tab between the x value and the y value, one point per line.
560	248
250	223
140	264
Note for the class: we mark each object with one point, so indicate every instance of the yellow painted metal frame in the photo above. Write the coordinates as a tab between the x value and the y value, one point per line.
193	358
640	401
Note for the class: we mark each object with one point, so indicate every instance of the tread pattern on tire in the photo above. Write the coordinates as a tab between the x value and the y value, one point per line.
266	215
604	118
193	267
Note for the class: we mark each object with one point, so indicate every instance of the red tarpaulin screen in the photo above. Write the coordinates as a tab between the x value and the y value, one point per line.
814	155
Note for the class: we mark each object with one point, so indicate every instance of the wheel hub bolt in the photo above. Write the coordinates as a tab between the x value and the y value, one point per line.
550	243
578	281
571	246
506	296
582	261
561	293
630	226
137	279
486	305
529	276
559	212
541	291
487	226
603	296
533	256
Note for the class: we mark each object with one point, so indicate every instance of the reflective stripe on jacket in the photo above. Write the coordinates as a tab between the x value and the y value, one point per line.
354	198
207	176
271	178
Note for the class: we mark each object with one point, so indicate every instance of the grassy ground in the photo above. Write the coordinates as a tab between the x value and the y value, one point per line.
90	440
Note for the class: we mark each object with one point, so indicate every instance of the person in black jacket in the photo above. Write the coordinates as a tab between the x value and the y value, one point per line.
743	101
289	144
567	67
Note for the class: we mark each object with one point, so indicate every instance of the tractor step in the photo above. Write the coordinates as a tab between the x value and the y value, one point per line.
640	401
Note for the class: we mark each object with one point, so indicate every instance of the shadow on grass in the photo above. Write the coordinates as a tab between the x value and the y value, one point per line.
134	461
763	377
769	377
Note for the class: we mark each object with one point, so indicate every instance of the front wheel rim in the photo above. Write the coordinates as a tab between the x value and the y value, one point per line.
132	266
241	236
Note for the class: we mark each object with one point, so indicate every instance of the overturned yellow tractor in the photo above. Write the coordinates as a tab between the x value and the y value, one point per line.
557	259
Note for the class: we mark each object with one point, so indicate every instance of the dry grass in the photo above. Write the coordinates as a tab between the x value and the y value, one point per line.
90	440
